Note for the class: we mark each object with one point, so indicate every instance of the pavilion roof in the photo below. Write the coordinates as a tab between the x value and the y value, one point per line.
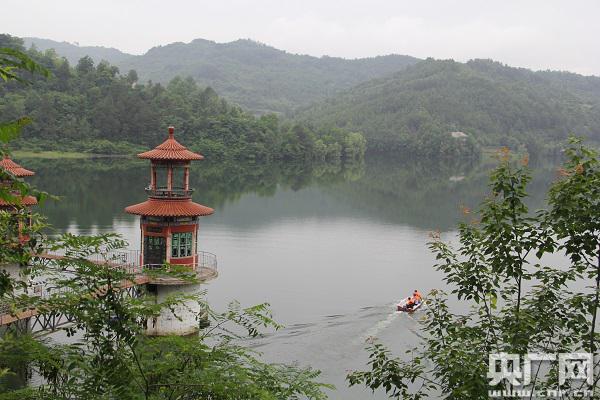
22	201
171	149
169	208
12	167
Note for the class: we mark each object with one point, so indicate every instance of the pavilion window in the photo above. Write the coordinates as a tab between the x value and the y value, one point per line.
154	249
178	177
162	179
181	244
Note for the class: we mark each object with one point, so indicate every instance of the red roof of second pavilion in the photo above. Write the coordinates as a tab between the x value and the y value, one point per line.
12	167
171	149
22	201
169	208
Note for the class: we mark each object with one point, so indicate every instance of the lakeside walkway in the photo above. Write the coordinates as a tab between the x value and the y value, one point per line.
205	268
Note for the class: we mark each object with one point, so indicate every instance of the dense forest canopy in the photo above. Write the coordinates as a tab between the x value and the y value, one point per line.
431	108
94	108
256	76
418	108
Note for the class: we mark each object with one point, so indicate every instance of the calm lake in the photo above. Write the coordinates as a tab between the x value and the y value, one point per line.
330	248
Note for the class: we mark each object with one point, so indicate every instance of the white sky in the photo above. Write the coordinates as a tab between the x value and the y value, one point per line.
538	34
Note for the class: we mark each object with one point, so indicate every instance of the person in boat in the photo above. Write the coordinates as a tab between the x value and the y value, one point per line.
417	296
410	303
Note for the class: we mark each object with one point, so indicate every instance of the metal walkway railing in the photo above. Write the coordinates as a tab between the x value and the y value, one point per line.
128	260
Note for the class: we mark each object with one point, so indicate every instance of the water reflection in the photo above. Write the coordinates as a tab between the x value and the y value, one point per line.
426	195
94	192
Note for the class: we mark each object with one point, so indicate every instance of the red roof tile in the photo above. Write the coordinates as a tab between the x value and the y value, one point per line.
169	208
25	201
10	166
171	149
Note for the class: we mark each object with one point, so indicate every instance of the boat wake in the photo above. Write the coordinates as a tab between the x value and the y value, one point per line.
380	326
354	329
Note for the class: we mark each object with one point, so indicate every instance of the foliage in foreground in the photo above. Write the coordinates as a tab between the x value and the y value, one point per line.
518	298
108	355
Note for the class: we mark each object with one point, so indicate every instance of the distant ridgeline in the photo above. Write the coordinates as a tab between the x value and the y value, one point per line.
260	78
448	108
401	105
95	109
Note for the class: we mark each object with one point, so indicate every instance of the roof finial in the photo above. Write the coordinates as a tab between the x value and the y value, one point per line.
171	132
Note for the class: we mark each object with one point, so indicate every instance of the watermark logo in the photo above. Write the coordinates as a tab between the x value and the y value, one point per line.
576	366
508	369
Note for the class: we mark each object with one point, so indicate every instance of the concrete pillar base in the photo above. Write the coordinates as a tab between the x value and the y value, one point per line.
186	318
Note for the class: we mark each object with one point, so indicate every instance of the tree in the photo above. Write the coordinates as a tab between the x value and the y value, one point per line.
13	63
85	65
113	359
132	76
575	220
354	145
516	300
63	75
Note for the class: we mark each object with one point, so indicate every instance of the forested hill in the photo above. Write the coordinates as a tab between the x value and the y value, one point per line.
73	52
258	77
94	108
417	109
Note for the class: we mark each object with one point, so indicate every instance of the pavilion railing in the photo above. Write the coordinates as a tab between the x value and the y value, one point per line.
205	260
166	193
130	260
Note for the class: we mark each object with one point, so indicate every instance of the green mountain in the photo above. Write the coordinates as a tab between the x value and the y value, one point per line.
432	107
258	77
74	52
444	107
93	108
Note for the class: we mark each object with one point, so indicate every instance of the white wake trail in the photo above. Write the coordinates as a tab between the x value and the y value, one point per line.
380	326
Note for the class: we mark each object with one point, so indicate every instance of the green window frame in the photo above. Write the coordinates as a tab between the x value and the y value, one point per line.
181	244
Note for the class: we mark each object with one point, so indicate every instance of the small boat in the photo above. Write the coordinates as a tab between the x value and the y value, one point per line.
401	306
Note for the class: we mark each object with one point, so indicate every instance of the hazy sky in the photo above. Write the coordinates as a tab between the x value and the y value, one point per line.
539	34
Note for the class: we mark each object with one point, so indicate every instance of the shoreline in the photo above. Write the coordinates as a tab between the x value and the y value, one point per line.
51	154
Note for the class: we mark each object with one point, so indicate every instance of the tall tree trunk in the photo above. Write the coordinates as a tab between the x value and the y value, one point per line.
519	284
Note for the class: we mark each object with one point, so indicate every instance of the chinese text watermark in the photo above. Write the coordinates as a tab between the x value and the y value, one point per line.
515	372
